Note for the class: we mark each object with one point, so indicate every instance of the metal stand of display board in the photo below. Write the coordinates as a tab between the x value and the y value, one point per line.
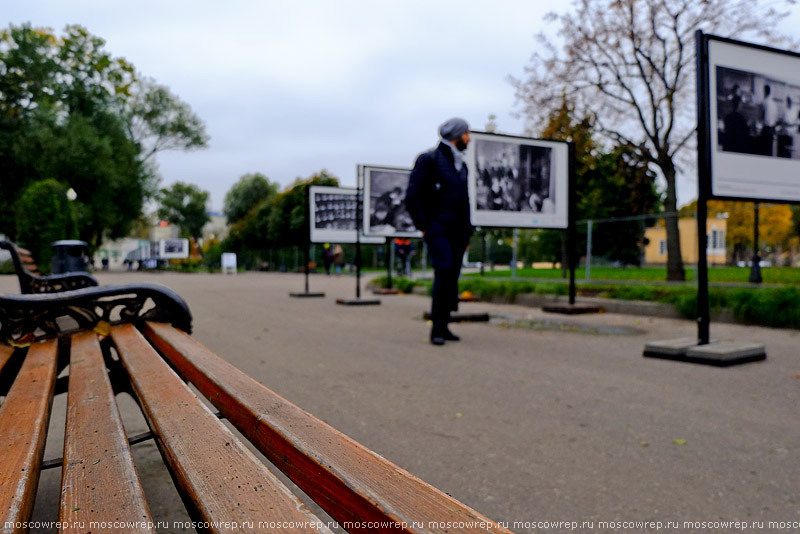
702	349
307	293
572	308
388	290
358	301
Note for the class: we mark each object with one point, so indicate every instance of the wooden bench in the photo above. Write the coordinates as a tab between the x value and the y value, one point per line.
31	280
136	339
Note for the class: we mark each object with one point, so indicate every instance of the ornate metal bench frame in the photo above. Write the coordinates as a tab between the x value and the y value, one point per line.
31	282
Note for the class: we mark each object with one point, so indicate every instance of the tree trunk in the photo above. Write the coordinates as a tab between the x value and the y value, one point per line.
675	270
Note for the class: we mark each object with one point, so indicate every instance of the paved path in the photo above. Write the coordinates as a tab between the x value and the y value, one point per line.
565	422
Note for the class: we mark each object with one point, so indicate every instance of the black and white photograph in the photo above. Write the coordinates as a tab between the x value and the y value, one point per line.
173	249
517	182
385	210
759	114
754	122
333	212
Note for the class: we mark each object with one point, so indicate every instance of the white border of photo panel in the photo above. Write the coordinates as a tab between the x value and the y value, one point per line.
173	254
750	176
320	234
554	212
368	229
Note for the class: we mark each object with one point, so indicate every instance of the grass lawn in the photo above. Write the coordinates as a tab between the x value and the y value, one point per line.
770	275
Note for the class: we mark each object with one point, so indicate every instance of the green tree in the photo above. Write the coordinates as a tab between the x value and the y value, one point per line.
288	220
620	186
71	111
277	222
250	234
184	205
113	188
44	214
629	65
157	120
251	191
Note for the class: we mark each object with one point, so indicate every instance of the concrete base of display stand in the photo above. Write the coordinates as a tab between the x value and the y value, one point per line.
358	302
463	317
720	354
387	292
572	309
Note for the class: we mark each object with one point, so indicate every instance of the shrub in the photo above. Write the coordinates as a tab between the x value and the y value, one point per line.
7	267
775	307
768	307
212	256
44	215
186	265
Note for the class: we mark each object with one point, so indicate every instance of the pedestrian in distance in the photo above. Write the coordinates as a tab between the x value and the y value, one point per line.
438	201
327	258
338	259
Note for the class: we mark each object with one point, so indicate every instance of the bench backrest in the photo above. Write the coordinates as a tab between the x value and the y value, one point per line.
31	280
22	258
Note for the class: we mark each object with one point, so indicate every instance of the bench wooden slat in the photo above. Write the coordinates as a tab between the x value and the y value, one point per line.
99	480
5	355
349	481
31	265
214	470
23	429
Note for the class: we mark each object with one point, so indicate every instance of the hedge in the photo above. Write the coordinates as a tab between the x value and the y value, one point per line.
777	307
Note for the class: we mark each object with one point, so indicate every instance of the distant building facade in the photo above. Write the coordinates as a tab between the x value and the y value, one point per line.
116	251
217	228
655	252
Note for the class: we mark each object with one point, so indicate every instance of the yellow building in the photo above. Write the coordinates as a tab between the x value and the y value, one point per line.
655	253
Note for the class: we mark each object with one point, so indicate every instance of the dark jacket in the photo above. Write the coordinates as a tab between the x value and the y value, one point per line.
437	193
437	199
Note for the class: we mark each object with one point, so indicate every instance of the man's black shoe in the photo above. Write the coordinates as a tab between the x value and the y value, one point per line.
437	340
449	336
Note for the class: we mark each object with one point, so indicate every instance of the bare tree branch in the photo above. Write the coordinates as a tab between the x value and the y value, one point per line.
629	65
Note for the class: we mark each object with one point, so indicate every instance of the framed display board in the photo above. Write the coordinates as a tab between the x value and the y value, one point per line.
385	212
333	212
518	182
751	98
173	249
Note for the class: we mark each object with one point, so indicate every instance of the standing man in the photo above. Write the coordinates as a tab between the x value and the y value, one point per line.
438	202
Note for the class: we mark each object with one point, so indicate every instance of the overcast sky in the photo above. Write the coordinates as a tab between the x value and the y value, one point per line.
287	88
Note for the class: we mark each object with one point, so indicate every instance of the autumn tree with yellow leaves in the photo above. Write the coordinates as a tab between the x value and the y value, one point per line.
778	237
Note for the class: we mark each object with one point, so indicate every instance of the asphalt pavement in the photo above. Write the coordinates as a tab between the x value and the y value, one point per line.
543	422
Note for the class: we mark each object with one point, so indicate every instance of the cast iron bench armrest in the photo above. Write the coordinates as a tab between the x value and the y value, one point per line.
28	318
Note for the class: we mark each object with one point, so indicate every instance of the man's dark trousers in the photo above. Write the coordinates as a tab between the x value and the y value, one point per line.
447	269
